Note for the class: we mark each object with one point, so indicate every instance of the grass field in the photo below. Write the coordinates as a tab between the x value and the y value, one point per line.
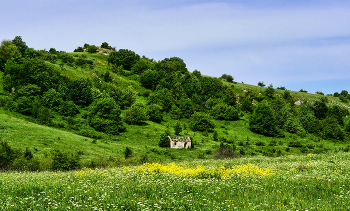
303	182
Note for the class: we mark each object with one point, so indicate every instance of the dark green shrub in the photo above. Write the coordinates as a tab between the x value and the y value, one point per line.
186	107
136	114
8	155
155	113
44	116
150	79
105	45
104	116
177	128
80	92
261	84
262	120
141	66
260	143
332	130
164	140
79	49
64	161
92	49
320	109
215	136
124	57
175	112
51	99
226	151
296	144
90	133
127	152
201	122
68	108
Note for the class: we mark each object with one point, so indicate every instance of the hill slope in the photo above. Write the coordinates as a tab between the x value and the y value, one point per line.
96	105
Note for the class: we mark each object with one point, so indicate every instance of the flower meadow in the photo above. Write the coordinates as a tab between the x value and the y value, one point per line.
312	182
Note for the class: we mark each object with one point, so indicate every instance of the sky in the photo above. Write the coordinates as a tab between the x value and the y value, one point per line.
296	44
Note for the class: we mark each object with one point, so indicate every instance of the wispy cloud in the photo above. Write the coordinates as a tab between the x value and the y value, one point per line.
271	41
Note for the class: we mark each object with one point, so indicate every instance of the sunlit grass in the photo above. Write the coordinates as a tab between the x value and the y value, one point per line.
313	182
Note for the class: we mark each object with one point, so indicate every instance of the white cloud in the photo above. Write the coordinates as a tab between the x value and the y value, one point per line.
284	44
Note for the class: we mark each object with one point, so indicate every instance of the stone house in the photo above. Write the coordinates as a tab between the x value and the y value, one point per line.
178	142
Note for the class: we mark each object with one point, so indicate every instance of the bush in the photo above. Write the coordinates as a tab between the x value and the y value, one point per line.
105	45
64	161
92	49
155	113
332	130
79	49
8	155
261	84
104	116
44	116
51	99
177	128
80	92
222	111
226	151
136	114
127	152
262	120
68	108
175	112
201	122
141	66
124	57
164	140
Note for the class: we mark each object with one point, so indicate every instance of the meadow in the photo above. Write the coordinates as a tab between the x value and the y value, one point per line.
293	182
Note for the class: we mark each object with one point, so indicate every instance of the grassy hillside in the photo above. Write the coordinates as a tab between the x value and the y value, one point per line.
22	127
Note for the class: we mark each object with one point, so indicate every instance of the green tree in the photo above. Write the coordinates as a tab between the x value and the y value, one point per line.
155	113
320	109
136	114
150	79
21	45
124	57
162	97
230	96
226	77
51	99
262	120
261	84
175	112
332	130
164	140
64	161
92	49
141	66
53	51
269	92
68	108
128	152
79	49
104	116
105	45
177	128
8	51
201	122
186	107
80	92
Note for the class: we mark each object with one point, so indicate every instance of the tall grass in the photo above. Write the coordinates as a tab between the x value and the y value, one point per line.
312	182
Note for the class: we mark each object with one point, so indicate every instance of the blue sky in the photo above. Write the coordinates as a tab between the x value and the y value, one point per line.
296	44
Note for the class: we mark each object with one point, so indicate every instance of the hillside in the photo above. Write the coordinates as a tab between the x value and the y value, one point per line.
92	105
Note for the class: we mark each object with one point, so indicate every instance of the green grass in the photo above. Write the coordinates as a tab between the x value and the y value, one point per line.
314	182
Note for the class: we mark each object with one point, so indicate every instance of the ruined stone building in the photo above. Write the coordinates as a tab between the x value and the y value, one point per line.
178	142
